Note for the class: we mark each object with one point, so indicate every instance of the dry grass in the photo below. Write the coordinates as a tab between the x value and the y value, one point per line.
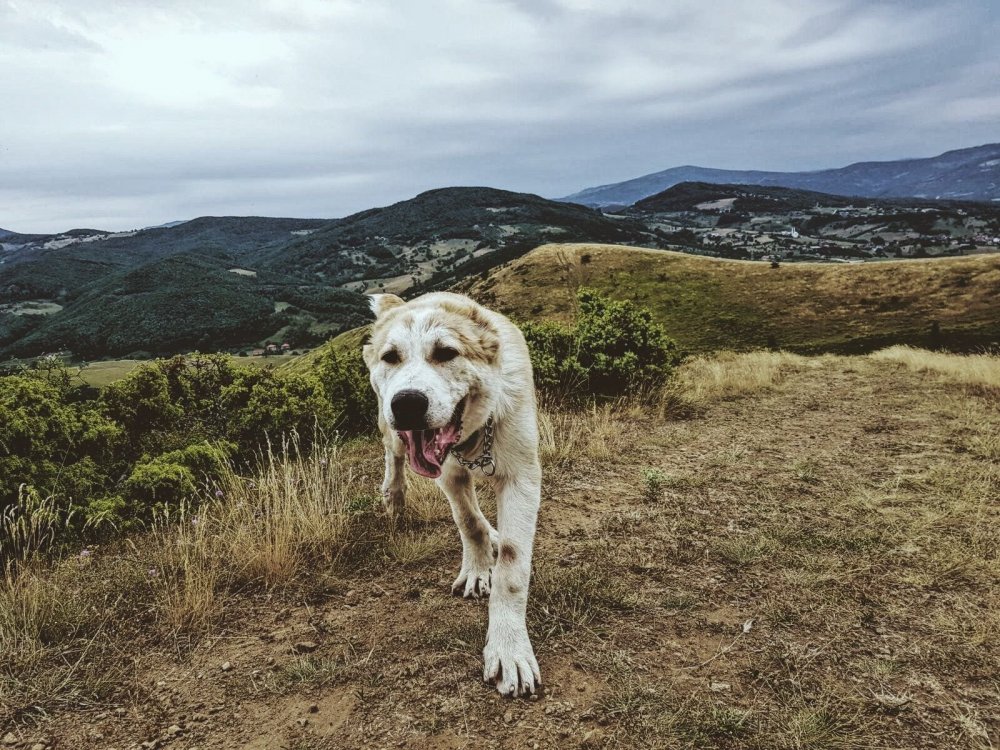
972	369
592	432
728	375
268	530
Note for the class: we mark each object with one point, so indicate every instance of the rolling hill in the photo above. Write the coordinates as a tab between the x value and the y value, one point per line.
224	282
439	236
970	174
709	304
62	265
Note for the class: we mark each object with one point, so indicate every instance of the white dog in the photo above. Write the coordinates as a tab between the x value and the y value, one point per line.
456	396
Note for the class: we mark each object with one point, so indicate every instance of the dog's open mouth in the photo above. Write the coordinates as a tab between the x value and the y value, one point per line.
427	449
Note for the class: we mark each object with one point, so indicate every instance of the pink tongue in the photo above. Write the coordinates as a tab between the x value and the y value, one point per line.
424	446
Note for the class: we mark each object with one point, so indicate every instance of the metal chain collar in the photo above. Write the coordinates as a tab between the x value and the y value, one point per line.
485	460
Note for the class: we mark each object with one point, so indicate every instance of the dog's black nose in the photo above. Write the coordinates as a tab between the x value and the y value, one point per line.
409	410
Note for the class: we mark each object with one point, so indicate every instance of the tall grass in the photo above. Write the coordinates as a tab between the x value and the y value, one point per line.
267	530
968	369
728	374
30	527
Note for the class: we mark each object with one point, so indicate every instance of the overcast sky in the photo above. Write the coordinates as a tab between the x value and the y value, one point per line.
126	114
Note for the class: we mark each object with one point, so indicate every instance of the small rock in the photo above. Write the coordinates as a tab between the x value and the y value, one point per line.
174	730
351	598
377	590
593	738
38	746
304	647
302	722
121	711
508	717
10	738
313	708
226	666
719	687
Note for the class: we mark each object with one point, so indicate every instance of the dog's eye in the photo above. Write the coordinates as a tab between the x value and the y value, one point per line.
391	357
444	353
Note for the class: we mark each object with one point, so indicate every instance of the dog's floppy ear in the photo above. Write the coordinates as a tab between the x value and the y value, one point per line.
382	303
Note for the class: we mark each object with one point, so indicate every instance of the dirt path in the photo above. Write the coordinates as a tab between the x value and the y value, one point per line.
813	566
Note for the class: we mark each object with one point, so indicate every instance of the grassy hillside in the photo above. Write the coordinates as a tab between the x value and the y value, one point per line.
709	304
56	265
808	559
440	235
182	302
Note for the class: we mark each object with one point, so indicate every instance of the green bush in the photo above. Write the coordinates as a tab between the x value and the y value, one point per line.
344	378
158	484
262	405
52	442
614	347
161	433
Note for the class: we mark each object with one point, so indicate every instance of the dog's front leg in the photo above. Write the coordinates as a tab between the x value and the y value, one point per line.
478	536
394	483
509	660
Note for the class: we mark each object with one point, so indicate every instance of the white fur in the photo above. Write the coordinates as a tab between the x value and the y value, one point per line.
505	390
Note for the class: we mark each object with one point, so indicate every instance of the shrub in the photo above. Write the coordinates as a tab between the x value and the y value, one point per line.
265	404
344	379
554	351
51	442
165	482
159	484
615	346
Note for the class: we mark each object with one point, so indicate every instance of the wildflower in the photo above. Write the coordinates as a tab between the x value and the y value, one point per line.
219	493
153	573
84	554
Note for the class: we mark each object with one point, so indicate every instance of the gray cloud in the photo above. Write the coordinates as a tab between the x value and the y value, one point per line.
141	113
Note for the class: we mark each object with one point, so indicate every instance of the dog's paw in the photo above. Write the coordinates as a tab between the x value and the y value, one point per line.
509	662
473	581
394	502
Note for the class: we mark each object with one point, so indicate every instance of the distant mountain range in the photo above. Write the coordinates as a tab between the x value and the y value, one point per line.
969	174
224	282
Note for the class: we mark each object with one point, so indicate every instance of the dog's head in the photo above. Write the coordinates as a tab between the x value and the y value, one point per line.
433	365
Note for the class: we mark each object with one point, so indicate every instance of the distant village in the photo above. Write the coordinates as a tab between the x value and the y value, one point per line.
845	235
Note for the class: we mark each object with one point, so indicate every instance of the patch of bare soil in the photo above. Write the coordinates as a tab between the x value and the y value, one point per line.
811	566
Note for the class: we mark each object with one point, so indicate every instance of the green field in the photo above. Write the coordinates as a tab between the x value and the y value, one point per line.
99	374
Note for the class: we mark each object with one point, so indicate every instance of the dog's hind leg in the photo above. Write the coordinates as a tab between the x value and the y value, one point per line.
394	483
478	536
508	659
